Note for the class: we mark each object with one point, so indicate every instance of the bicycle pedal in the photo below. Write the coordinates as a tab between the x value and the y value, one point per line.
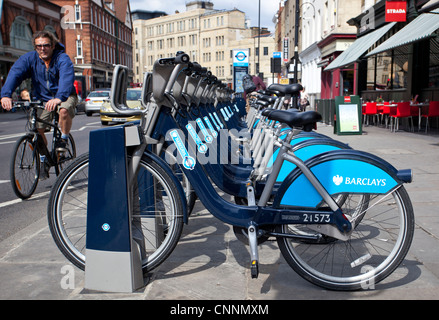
254	269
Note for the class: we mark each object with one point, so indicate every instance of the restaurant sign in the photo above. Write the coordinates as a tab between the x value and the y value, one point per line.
396	11
348	115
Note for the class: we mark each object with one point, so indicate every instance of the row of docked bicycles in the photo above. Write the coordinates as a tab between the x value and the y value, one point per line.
341	217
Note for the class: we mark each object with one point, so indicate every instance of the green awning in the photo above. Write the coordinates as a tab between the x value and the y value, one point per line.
359	47
421	28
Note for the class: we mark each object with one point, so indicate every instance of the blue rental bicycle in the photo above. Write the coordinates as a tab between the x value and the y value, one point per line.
342	218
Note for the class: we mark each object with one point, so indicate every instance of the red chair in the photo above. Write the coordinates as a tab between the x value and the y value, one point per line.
414	112
386	112
433	111
370	110
402	111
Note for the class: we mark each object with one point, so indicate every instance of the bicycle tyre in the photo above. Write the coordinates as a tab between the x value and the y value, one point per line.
24	167
379	243
67	213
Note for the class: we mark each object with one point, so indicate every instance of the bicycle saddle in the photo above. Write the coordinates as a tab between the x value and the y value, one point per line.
306	119
267	111
262	103
284	89
269	99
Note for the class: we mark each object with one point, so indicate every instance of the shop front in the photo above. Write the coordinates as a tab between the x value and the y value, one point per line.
337	81
406	66
348	67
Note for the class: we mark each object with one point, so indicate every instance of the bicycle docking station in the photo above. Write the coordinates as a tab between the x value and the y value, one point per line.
113	258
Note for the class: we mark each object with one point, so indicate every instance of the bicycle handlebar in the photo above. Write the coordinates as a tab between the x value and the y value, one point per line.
25	103
118	92
179	58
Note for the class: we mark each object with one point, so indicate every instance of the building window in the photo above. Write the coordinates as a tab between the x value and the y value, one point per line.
79	48
77	12
388	70
93	47
21	34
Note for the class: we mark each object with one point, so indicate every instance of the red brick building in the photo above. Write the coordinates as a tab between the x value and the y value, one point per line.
98	35
20	19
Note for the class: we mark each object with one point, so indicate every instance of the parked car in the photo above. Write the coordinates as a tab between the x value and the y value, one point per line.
95	100
133	101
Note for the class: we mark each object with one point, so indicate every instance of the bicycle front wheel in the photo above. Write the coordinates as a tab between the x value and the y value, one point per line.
157	212
383	231
24	167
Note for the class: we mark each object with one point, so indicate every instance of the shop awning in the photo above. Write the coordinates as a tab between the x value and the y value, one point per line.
359	47
421	28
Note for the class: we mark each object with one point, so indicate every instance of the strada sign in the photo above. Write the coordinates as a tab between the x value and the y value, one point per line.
396	11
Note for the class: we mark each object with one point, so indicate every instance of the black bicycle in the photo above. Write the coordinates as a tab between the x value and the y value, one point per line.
25	161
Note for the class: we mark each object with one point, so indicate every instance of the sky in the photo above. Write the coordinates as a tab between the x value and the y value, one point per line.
249	7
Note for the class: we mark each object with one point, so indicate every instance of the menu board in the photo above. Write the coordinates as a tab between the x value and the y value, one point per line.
348	115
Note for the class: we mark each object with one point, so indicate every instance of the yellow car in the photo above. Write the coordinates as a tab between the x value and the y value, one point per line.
133	101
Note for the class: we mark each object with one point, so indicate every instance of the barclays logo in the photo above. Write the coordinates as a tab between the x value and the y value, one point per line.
338	180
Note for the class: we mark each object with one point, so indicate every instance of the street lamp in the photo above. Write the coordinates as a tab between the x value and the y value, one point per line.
296	49
296	43
296	39
296	34
259	37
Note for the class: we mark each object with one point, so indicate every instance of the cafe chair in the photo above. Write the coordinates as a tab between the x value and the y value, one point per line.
414	110
402	110
433	111
370	110
385	113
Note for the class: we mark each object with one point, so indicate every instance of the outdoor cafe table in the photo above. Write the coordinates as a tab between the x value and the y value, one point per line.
420	105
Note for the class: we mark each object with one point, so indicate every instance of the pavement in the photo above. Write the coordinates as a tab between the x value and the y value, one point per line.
210	263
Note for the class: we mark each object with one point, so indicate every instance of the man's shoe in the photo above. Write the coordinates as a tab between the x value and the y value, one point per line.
62	145
44	170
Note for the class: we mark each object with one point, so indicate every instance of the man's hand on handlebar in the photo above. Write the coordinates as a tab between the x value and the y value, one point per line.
6	103
52	104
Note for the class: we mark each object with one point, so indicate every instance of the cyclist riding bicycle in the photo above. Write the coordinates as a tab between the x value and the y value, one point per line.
52	74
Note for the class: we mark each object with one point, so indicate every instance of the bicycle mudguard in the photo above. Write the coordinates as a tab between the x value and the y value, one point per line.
340	171
307	149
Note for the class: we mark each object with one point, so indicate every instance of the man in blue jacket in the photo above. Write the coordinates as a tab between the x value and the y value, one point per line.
52	74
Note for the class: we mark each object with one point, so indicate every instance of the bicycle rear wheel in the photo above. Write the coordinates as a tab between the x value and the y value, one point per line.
384	226
65	158
157	212
24	167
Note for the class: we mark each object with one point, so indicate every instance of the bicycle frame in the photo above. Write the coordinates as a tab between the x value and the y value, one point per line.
42	147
